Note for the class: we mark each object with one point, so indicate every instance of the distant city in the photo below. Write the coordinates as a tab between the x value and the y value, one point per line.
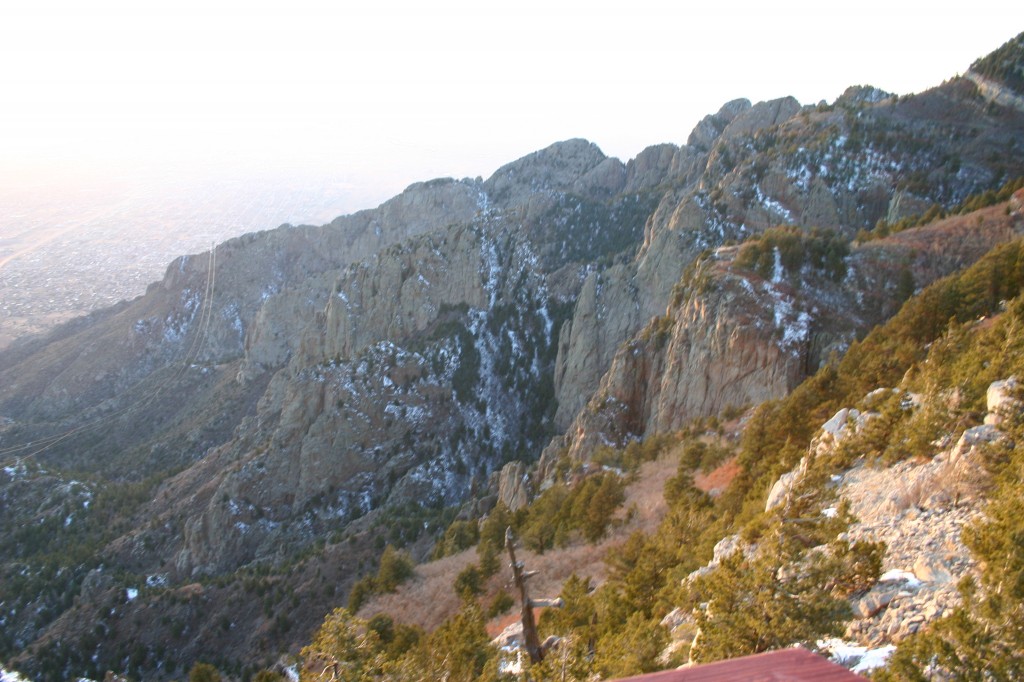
64	253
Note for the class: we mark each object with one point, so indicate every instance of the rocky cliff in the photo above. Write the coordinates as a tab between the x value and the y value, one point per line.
731	337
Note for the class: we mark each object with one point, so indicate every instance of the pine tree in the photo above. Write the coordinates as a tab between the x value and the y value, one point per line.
343	646
395	568
768	602
203	672
459	650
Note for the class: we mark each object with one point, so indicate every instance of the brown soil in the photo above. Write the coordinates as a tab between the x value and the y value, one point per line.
718	479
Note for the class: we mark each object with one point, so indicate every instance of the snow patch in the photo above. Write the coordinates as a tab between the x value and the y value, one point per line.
773	206
777	271
11	676
860	659
874	658
157	580
898	575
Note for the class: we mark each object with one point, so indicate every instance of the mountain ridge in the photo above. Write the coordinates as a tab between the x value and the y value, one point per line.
294	391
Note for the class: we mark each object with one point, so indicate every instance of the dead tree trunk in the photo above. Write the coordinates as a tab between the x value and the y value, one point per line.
531	640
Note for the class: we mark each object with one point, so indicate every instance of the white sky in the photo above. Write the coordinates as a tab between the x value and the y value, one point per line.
395	91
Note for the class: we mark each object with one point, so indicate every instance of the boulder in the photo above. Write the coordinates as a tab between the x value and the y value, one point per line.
781	489
839	421
675	618
971	439
784	485
725	547
511	636
872	603
514	486
1001	401
843	423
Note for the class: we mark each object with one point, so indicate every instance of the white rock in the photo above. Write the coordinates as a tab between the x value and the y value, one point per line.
973	437
837	424
780	489
1001	402
785	484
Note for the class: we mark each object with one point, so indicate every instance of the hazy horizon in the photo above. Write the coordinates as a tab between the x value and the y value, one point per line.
399	92
138	132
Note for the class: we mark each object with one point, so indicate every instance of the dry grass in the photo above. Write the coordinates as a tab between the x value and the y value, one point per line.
428	598
974	234
938	485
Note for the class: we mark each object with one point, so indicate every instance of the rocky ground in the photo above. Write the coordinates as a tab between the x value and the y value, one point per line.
918	508
925	556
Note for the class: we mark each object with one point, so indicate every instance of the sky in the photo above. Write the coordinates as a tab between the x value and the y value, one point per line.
390	92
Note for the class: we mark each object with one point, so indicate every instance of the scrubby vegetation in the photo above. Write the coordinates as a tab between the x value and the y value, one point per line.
561	510
972	203
982	639
793	249
349	648
394	569
1003	64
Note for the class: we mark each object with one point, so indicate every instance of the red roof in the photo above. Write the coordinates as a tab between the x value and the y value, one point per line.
784	665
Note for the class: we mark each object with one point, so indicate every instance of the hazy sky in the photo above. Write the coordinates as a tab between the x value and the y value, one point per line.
393	91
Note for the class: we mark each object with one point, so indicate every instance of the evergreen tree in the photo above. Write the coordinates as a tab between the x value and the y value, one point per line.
203	672
342	646
460	649
395	568
768	602
632	649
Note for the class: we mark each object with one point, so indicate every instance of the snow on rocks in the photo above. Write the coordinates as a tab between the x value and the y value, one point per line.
860	659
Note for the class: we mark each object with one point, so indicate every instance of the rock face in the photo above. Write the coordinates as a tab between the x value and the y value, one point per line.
399	390
712	125
838	181
720	347
575	166
514	486
729	337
